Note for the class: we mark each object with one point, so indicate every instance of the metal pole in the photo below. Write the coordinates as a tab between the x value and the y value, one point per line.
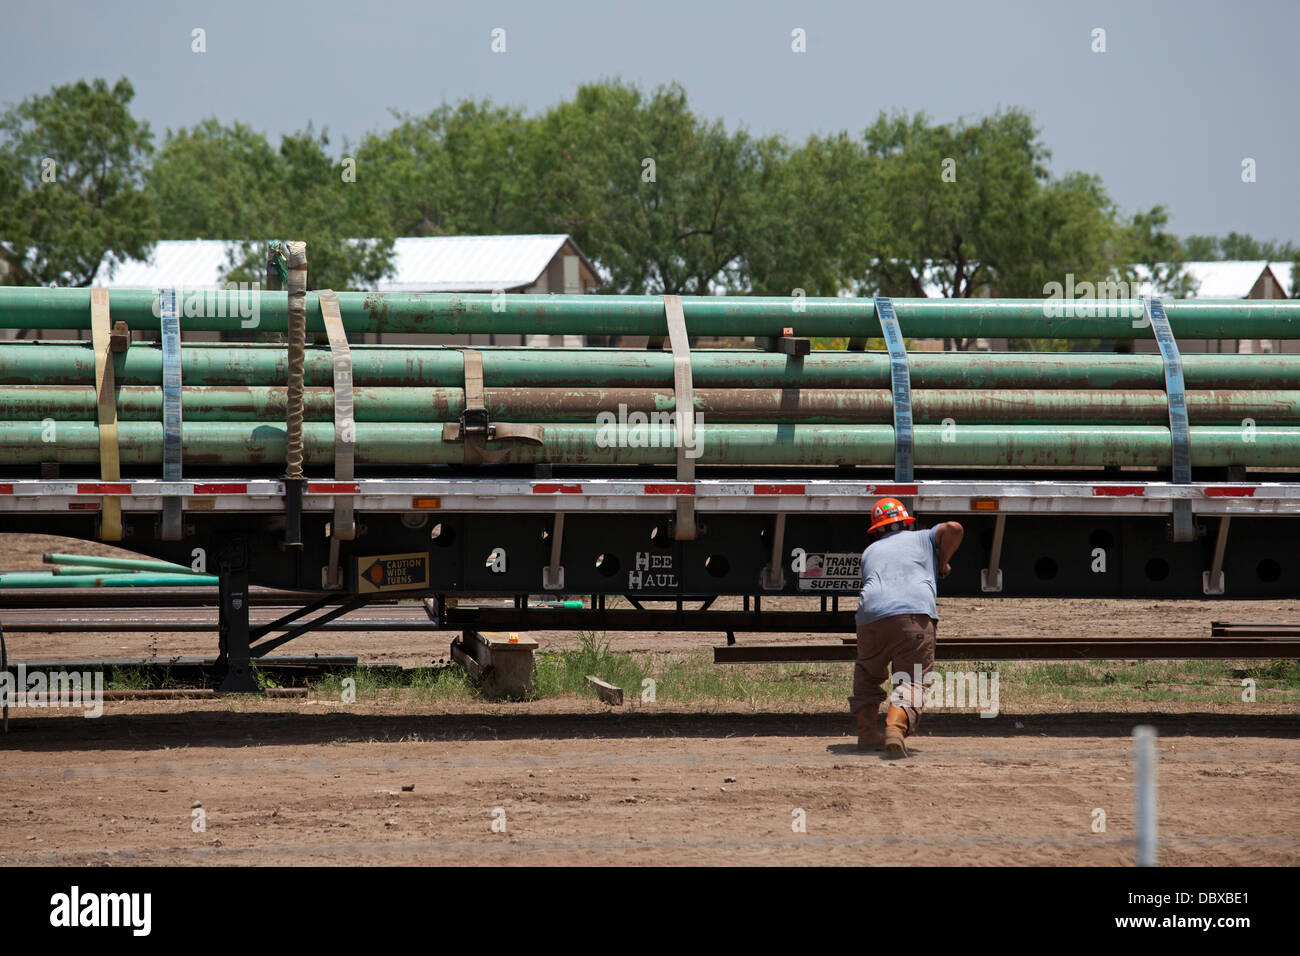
1144	759
748	316
421	443
73	363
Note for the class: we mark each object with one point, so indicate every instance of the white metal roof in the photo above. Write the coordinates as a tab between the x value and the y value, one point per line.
1229	279
192	263
421	264
470	263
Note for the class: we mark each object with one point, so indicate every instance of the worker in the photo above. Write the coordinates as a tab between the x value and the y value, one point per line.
896	621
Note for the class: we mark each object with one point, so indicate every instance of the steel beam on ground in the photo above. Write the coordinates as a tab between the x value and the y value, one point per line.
1033	648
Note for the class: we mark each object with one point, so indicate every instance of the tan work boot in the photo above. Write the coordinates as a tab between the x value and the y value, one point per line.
895	731
869	738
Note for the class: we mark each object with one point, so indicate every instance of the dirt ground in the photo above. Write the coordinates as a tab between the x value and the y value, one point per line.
316	782
320	781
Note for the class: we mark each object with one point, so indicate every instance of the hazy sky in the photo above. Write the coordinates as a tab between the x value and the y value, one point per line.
1184	92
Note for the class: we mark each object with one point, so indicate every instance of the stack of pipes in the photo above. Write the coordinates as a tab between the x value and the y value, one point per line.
754	407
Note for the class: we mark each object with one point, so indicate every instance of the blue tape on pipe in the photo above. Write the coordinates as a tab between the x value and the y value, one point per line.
901	381
171	384
1178	426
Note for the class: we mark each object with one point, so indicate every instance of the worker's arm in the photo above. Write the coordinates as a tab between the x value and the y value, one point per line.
947	538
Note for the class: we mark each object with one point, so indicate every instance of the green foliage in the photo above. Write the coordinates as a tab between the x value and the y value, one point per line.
71	184
661	199
973	209
1236	245
467	170
217	182
664	200
565	672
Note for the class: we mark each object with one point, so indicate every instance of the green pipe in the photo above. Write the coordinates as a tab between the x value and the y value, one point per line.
42	579
117	564
246	444
50	363
454	313
83	570
802	406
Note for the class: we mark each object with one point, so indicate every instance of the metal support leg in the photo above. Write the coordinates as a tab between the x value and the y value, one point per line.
553	573
774	573
1182	525
1212	580
234	670
4	666
991	577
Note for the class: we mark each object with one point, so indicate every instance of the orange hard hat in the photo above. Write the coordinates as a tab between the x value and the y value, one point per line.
888	511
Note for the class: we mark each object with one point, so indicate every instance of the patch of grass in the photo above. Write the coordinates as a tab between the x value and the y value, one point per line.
446	683
561	673
697	678
127	678
1274	673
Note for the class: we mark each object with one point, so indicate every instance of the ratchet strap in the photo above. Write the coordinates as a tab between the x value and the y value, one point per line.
344	526
901	381
1179	432
172	410
684	406
475	428
110	469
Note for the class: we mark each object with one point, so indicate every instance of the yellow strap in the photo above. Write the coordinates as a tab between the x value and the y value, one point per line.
110	469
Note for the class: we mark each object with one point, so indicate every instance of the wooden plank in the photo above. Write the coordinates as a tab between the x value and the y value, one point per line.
472	667
608	692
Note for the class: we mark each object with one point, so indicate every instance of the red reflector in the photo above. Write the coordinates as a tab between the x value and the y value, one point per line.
220	489
1237	492
334	488
1119	491
895	491
670	489
555	489
103	489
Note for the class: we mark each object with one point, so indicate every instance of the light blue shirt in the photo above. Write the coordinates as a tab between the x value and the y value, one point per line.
898	576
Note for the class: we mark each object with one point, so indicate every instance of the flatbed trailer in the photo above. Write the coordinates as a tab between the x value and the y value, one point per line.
1053	510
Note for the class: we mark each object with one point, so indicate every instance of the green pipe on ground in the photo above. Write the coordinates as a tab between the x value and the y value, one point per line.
117	564
42	579
454	313
50	363
232	444
83	570
796	406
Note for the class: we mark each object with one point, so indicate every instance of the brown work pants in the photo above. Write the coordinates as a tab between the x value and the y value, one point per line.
896	648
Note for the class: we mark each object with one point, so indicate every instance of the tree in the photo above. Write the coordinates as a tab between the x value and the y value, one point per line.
1160	253
71	191
812	224
972	209
662	200
458	171
1237	246
218	182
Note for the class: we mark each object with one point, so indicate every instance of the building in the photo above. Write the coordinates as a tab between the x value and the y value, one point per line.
511	264
1232	280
